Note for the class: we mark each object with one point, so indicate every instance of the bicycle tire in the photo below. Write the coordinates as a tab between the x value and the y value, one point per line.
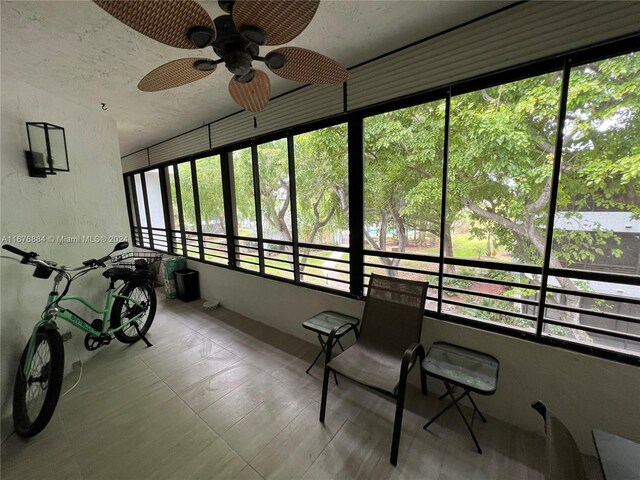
130	334
29	424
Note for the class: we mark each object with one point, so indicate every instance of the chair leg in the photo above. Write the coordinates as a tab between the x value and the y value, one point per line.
325	388
423	380
397	428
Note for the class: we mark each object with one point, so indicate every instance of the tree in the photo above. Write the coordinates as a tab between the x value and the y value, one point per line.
403	176
502	145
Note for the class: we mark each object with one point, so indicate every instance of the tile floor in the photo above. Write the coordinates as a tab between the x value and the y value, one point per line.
222	396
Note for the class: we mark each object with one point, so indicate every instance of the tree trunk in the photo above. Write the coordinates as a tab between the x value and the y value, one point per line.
527	229
448	248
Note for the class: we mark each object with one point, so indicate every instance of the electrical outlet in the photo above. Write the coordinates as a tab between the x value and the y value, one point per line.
66	336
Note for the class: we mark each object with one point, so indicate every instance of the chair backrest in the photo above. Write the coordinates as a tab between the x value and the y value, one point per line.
564	460
393	312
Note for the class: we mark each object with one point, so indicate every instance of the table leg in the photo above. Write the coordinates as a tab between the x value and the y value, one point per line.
323	346
476	409
454	403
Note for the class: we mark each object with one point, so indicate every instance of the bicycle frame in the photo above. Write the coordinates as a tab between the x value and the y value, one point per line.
55	312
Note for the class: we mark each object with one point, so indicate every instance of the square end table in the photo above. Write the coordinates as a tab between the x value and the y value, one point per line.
471	370
323	323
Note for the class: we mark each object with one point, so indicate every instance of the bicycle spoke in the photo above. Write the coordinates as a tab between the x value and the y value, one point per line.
37	381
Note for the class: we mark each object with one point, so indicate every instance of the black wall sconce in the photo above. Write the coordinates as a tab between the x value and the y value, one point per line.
47	152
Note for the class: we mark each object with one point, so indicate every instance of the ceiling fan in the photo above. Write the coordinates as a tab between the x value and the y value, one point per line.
236	39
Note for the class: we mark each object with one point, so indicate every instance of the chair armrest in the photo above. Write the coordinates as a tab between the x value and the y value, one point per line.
412	353
332	336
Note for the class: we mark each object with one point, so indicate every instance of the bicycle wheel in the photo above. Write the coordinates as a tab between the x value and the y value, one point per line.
36	396
122	308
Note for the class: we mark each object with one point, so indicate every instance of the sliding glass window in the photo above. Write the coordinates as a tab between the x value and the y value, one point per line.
185	179
501	154
403	160
156	210
145	231
176	230
322	201
597	221
246	233
211	202
275	200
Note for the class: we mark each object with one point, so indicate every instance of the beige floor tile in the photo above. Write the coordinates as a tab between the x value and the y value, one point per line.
179	357
202	394
89	406
258	428
216	461
48	456
158	440
350	455
248	473
184	378
295	448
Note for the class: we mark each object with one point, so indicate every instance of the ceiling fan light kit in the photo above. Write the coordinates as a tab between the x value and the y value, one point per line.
235	38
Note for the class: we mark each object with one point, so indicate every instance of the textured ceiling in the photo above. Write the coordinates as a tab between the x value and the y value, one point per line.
77	51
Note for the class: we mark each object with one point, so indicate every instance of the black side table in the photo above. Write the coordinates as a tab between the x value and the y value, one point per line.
471	370
323	323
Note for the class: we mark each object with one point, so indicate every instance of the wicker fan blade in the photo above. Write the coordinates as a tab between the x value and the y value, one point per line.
173	74
165	21
253	96
281	20
306	66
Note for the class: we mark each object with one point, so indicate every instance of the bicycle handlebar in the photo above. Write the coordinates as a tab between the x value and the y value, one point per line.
32	257
26	256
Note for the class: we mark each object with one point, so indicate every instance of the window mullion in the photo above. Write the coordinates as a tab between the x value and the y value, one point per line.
355	140
196	206
557	159
165	207
147	212
183	235
443	200
294	207
256	194
228	196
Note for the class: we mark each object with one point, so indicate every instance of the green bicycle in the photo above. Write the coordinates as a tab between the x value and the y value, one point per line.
127	315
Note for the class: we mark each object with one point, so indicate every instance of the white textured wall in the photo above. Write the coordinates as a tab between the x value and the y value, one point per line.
89	200
586	392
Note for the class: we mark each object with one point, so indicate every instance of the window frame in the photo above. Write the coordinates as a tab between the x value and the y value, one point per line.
357	252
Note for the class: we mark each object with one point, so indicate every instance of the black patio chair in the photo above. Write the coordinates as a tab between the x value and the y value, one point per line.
388	346
564	460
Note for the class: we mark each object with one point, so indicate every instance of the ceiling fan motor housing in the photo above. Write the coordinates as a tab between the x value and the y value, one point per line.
236	51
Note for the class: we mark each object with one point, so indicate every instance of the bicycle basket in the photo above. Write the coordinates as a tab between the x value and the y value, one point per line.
137	260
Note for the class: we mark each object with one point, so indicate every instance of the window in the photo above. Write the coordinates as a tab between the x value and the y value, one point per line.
403	160
322	206
188	209
156	211
597	222
133	212
246	234
175	212
275	201
212	219
486	248
501	153
142	211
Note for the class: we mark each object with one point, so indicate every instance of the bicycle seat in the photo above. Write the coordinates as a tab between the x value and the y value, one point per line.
117	273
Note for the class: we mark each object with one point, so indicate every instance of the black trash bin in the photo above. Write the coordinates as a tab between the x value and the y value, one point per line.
187	285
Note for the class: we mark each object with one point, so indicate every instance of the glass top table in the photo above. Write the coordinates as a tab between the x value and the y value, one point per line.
473	370
323	324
